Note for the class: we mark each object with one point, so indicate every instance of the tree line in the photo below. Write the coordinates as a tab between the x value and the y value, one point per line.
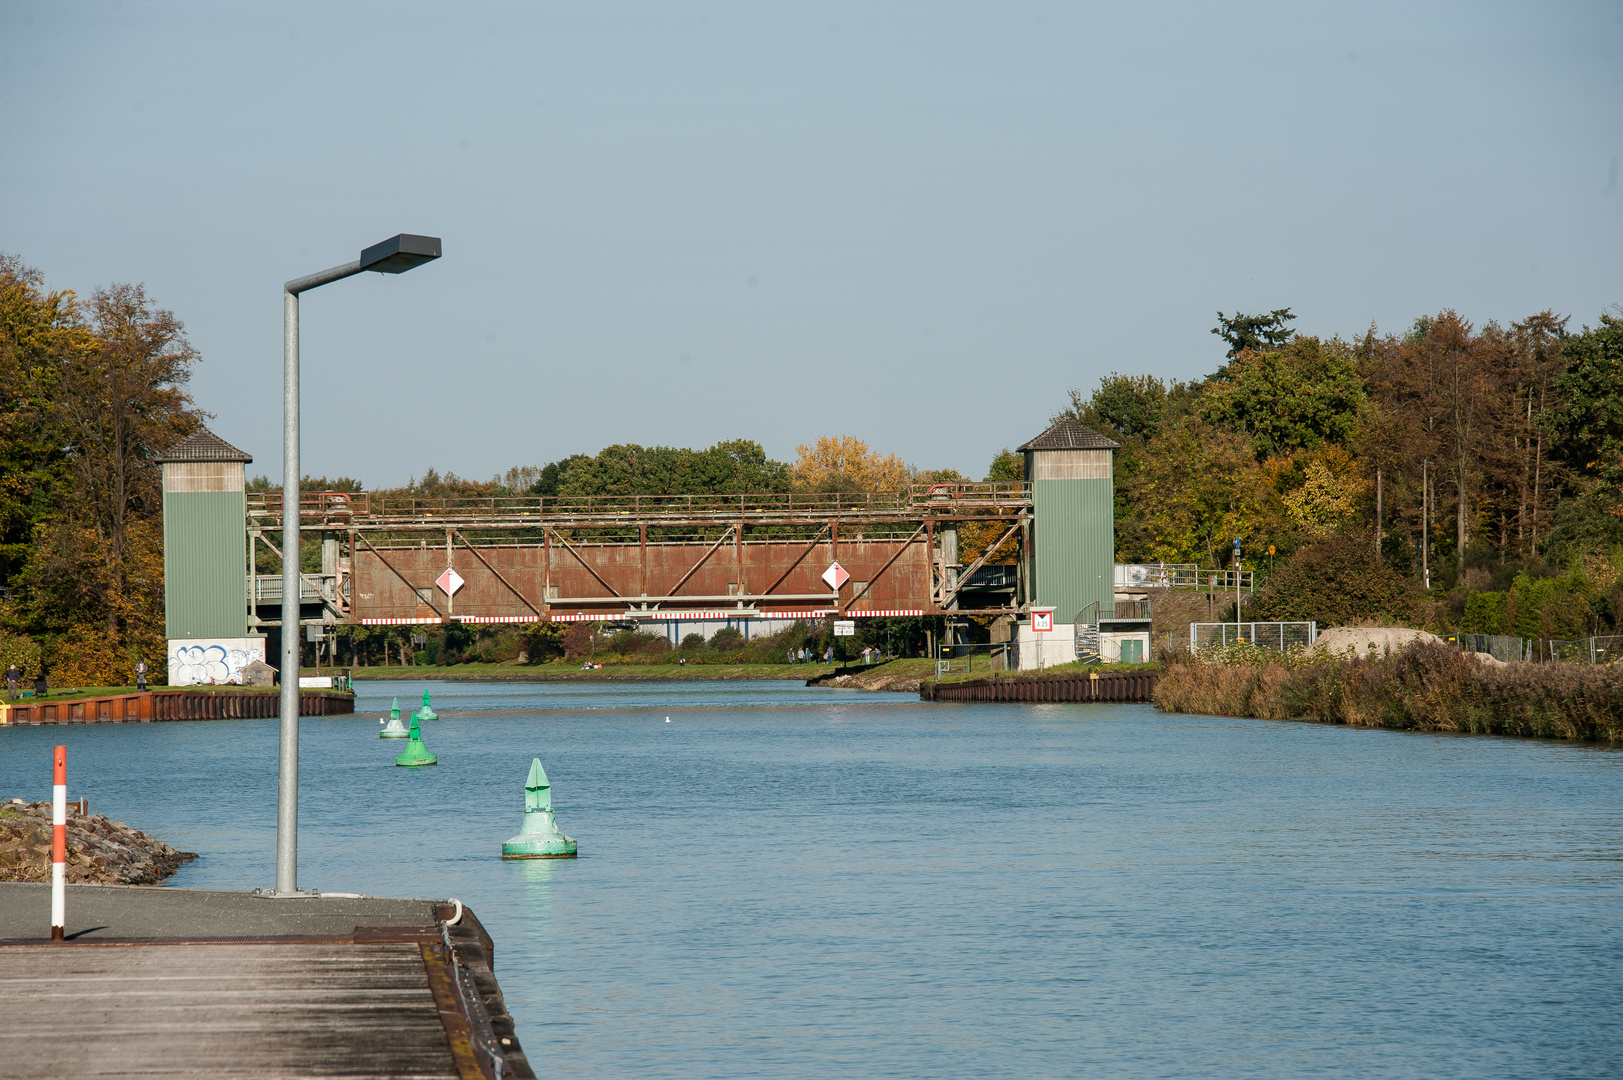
1469	459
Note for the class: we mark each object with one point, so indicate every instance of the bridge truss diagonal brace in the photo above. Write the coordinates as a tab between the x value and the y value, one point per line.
510	588
702	560
963	578
306	578
414	590
581	559
894	556
818	539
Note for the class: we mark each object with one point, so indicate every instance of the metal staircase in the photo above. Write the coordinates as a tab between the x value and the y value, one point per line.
1087	635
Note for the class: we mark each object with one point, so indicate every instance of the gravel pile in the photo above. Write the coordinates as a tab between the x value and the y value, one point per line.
101	851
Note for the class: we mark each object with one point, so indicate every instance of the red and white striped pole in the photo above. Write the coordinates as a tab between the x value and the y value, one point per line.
59	847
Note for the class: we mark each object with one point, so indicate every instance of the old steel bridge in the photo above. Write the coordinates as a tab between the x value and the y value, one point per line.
625	559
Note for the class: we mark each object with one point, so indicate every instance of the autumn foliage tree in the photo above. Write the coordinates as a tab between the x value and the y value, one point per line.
92	391
843	463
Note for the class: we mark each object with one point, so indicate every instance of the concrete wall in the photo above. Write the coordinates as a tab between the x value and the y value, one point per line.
193	661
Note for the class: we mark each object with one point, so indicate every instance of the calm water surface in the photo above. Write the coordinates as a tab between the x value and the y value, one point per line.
823	883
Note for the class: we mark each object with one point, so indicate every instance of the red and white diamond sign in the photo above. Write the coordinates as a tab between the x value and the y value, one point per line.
449	582
836	576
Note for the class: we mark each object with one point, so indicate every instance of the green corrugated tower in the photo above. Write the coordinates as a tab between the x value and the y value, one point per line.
1071	470
205	556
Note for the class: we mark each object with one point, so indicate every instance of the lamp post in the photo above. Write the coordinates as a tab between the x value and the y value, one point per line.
394	256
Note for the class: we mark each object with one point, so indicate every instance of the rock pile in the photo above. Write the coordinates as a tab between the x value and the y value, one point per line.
100	851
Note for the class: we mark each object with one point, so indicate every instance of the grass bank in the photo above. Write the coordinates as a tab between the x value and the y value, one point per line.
575	673
1427	687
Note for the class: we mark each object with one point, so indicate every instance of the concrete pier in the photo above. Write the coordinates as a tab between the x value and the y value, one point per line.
155	981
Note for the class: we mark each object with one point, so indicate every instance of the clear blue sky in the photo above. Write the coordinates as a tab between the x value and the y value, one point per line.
675	223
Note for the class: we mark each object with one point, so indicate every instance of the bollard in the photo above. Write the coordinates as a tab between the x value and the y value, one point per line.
538	837
59	846
415	753
426	712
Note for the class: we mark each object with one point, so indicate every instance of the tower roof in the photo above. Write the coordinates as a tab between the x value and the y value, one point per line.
203	446
1067	433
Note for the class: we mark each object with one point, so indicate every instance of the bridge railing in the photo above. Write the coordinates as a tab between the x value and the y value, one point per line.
361	506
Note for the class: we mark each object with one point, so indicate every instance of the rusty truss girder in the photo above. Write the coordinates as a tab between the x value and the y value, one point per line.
526	559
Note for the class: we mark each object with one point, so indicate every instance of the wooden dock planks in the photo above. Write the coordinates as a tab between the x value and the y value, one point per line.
222	1010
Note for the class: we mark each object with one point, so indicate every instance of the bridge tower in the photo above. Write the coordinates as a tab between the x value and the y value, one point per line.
1071	471
205	554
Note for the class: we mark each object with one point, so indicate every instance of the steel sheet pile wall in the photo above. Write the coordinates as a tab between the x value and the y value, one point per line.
1065	688
174	705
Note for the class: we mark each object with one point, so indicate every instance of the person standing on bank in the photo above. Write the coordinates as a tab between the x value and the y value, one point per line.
140	675
13	677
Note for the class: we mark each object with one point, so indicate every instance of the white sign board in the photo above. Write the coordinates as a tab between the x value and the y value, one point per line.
449	582
845	628
836	576
1042	622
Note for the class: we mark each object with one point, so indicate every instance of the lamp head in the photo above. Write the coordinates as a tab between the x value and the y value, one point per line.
400	253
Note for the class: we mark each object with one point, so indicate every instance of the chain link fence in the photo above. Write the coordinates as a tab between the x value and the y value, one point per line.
1600	649
1278	636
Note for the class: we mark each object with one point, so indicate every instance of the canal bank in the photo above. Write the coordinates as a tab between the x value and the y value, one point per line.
224	984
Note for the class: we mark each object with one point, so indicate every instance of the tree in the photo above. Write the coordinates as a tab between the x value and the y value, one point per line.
1123	406
1197	488
38	331
1296	397
843	463
91	393
1587	430
733	467
1255	332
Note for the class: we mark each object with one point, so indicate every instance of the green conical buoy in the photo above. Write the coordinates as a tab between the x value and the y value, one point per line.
416	753
426	712
394	729
538	837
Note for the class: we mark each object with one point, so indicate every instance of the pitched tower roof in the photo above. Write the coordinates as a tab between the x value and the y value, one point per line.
1067	433
203	446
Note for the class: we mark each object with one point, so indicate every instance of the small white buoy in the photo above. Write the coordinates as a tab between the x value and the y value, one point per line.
667	719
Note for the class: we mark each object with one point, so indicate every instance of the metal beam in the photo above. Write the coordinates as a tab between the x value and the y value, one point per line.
569	548
963	578
417	595
702	560
869	583
798	559
498	574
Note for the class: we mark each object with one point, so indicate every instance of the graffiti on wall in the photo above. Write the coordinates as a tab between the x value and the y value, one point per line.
216	661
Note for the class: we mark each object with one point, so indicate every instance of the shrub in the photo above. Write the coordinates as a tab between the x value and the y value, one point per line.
1337	582
1547	608
1484	613
726	639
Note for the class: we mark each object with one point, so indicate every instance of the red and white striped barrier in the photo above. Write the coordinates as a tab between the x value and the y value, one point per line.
431	620
59	846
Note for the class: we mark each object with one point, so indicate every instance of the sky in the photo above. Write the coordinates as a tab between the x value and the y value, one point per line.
673	223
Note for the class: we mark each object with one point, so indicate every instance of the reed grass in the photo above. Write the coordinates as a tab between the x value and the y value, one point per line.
1426	687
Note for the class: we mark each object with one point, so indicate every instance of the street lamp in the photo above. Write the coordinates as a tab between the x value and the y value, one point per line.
394	256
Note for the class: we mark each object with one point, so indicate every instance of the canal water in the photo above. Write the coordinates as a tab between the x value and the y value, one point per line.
828	883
